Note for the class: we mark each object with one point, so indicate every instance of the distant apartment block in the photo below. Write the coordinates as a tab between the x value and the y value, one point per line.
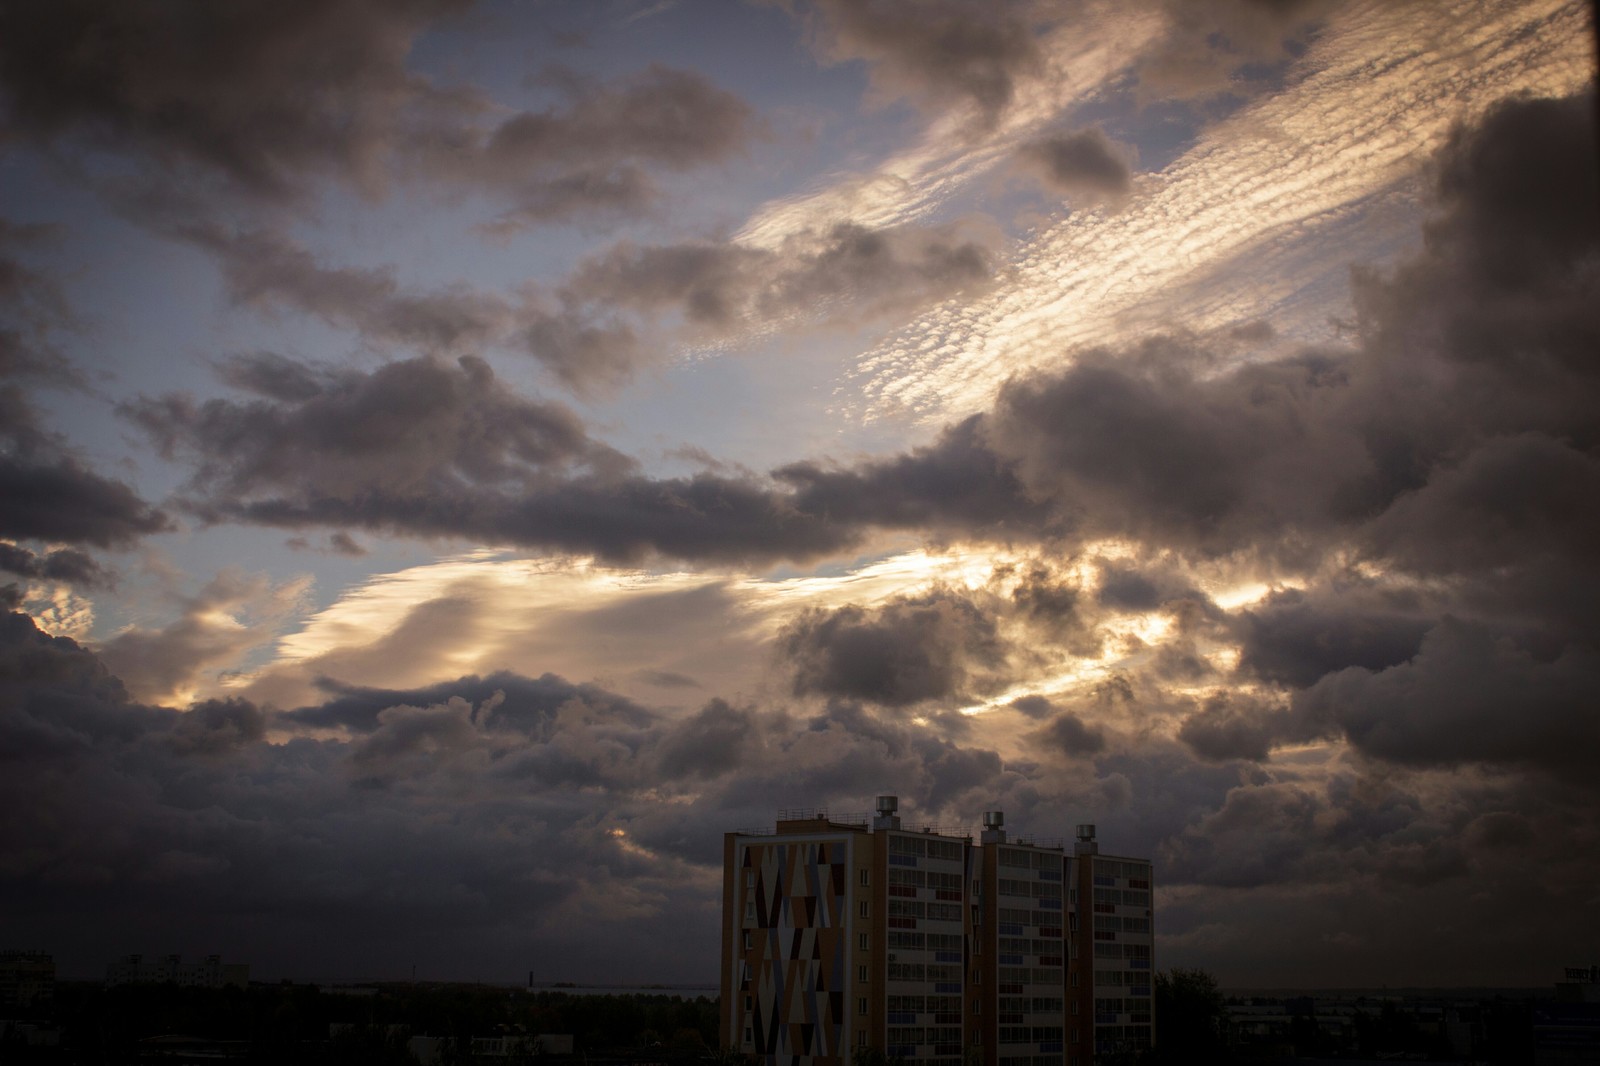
210	972
941	945
27	979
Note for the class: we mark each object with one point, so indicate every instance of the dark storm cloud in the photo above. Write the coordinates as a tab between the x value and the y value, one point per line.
910	650
198	95
63	564
424	447
490	815
407	429
1140	588
52	496
1149	445
709	743
187	821
1057	609
942	51
217	727
204	86
1068	733
196	822
1035	707
956	485
622	519
1293	638
1519	193
1471	695
1266	834
1229	728
1084	163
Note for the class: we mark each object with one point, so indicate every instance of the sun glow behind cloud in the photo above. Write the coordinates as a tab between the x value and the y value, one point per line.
532	615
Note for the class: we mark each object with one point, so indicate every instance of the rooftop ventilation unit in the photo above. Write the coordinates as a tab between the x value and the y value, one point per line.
886	817
1086	843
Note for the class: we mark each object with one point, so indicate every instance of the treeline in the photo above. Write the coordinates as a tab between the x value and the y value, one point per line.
303	1023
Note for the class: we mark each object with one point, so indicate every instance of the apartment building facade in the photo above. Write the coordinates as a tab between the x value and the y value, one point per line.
937	945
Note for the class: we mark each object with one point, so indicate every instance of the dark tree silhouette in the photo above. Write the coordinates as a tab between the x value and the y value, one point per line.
1189	1017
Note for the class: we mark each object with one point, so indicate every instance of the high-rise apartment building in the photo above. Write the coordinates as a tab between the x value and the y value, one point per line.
934	944
1111	971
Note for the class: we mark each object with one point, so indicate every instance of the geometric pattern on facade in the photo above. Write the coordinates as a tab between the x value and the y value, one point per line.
800	897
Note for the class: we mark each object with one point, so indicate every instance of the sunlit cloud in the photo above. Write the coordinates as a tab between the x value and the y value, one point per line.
1233	231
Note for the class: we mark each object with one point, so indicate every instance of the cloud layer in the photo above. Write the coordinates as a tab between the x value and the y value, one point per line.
1305	614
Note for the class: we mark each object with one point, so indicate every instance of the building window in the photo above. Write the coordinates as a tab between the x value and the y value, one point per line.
861	1006
866	877
749	910
861	974
1074	978
977	1006
861	1038
749	879
747	940
865	941
749	1004
866	908
749	1038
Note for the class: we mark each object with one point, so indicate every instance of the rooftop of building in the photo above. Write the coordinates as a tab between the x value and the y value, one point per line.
796	821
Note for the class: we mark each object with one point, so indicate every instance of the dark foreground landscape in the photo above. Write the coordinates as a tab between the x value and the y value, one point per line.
406	1023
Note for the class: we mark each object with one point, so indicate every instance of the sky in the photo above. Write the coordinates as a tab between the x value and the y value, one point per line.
460	459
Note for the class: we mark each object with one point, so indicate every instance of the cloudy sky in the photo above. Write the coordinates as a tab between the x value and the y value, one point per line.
460	459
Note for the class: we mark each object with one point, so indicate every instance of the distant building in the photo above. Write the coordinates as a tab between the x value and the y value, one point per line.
210	972
1567	1030
27	979
845	933
430	1050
